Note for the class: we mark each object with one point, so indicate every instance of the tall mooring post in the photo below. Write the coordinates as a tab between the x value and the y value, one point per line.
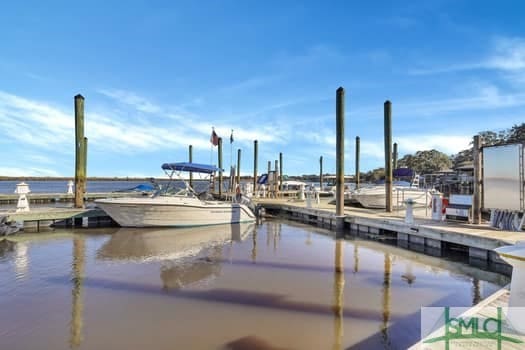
388	155
276	179
239	166
190	159
255	156
220	166
321	173
357	155
476	204
394	161
340	154
280	171
80	152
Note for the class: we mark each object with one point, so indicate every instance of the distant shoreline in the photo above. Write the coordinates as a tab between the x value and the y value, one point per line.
96	178
58	178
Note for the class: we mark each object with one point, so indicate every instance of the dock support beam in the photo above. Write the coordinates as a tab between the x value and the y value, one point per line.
388	155
476	204
321	173
80	153
340	152
394	156
255	155
280	171
220	166
357	155
239	166
191	161
276	179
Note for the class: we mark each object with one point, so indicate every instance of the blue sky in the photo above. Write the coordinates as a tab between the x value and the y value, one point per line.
157	75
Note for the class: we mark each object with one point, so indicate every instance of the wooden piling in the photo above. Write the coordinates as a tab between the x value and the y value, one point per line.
394	161
239	166
340	152
321	173
357	155
85	152
476	204
276	179
255	156
80	162
220	166
280	171
388	155
190	156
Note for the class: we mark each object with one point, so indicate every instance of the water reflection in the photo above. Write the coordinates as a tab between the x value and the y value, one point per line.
21	260
409	276
78	266
293	297
356	257
139	245
7	247
339	285
386	297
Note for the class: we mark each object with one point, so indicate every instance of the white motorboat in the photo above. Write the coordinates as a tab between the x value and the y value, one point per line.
184	208
375	196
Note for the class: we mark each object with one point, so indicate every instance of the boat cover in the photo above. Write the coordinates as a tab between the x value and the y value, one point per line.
193	167
403	172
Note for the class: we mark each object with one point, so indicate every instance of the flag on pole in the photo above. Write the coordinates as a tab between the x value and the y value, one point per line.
231	137
214	139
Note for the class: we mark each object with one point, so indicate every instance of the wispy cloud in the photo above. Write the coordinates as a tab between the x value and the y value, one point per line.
250	83
448	144
33	122
29	171
505	54
483	97
129	98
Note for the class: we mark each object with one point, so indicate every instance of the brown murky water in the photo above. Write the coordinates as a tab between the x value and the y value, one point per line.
281	285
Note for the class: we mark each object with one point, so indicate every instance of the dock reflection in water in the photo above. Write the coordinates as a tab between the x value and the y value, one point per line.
280	285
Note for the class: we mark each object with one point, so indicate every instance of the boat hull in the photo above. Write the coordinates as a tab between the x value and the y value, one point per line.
173	212
376	198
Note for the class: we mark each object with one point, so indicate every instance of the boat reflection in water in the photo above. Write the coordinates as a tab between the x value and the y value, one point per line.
188	255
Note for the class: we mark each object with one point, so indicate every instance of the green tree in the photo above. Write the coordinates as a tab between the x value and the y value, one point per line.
426	161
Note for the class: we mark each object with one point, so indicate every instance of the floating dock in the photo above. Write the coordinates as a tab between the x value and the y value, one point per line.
477	241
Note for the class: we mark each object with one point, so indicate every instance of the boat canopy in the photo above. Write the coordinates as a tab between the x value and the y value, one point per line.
193	167
403	172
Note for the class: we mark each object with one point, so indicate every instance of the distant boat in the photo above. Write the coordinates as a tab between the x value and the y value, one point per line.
171	207
375	196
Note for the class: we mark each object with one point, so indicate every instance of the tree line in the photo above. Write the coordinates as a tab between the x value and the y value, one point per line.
425	162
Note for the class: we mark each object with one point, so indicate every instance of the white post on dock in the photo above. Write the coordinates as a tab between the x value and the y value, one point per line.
437	207
70	187
409	215
22	189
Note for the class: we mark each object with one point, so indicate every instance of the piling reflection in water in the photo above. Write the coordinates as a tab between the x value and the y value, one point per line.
284	288
386	297
339	285
77	277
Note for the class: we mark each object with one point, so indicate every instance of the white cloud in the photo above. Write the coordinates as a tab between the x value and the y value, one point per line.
127	97
505	54
29	171
448	144
34	123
